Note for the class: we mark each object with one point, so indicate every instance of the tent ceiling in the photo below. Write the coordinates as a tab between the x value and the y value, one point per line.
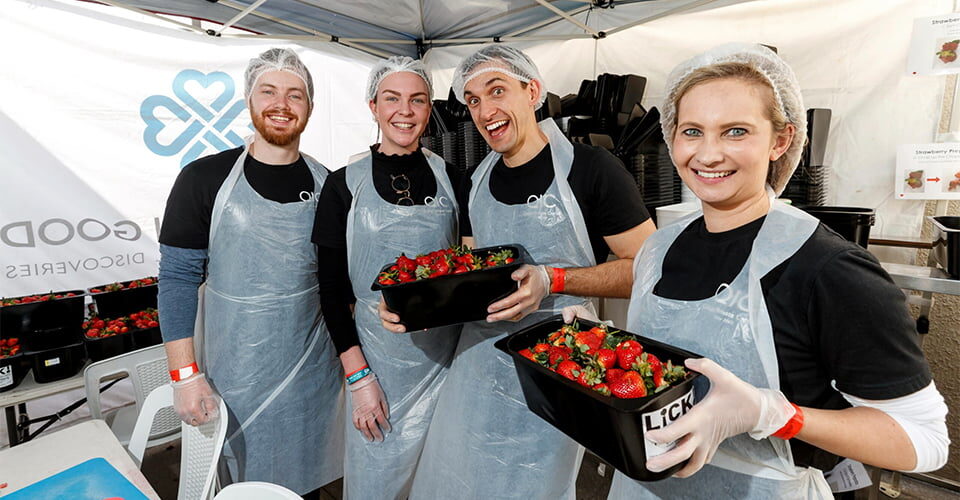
409	26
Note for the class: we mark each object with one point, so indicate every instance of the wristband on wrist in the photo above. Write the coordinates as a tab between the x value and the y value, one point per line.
357	375
792	427
559	280
182	373
356	371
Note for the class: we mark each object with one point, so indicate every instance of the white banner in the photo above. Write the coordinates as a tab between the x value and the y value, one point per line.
103	107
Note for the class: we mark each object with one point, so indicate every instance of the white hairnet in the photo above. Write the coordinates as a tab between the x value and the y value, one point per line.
393	65
782	80
276	60
500	58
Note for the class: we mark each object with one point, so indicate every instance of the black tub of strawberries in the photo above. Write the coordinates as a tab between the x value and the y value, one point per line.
14	365
603	388
449	286
120	299
57	364
54	316
106	338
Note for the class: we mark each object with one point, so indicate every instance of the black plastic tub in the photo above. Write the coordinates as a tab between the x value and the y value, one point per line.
146	337
853	223
946	244
454	298
22	319
107	347
123	302
57	364
610	427
12	371
51	338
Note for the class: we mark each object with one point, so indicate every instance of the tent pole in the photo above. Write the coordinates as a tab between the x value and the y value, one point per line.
532	38
240	16
568	17
548	21
121	5
681	8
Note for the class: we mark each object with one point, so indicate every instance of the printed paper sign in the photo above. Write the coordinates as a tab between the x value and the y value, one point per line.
848	475
928	171
6	375
934	45
663	417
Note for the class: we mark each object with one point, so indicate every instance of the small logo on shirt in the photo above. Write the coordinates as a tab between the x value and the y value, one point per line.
440	201
309	196
549	210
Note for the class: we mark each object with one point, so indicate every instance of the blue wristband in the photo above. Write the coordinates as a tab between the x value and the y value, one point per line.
357	376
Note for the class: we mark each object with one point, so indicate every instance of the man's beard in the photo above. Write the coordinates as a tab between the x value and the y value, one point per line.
278	138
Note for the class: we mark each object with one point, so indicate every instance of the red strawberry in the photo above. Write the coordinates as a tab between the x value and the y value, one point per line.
627	353
527	353
557	354
951	45
423	260
569	369
607	358
614	374
541	347
630	385
602	388
589	377
588	339
656	368
405	263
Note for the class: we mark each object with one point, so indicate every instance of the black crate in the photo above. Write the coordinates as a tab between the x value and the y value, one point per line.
99	348
12	371
123	302
21	319
853	223
57	364
454	298
946	244
51	338
610	427
146	337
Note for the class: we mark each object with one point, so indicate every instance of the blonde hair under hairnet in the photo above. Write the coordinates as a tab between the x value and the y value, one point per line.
779	76
276	59
499	58
396	64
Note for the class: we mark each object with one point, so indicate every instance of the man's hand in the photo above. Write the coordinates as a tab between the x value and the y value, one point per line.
534	286
389	320
195	401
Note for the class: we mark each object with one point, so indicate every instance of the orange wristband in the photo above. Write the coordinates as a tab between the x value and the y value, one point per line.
182	373
559	280
792	427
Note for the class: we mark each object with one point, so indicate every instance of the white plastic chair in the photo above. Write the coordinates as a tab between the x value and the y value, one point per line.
147	369
199	446
256	490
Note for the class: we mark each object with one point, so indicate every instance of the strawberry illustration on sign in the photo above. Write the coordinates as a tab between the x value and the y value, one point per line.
948	51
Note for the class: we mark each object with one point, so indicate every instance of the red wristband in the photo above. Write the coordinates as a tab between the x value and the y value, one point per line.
182	373
356	371
559	280
792	427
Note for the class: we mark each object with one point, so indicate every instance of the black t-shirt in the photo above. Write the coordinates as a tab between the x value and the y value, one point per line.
604	189
186	220
330	230
836	315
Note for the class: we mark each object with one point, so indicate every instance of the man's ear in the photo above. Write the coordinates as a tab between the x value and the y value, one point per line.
535	89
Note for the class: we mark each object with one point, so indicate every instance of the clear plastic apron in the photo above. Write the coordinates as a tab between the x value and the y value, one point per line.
485	442
410	367
266	349
733	328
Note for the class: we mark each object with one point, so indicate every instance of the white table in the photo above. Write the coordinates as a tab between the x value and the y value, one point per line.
23	465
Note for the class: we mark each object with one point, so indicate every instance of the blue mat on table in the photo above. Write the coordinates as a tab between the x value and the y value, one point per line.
94	479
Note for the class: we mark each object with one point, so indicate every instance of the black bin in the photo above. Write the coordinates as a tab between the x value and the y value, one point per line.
146	337
609	427
454	298
57	364
123	302
22	319
99	348
50	338
946	244
12	371
853	223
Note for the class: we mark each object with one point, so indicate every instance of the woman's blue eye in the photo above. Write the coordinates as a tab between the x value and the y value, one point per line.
692	132
737	132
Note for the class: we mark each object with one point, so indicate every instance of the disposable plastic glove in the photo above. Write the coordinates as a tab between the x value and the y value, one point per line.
571	313
371	415
731	407
534	287
389	320
195	401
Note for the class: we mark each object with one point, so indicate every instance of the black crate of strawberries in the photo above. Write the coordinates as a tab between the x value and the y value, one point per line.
122	298
43	321
106	338
602	387
448	286
14	365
